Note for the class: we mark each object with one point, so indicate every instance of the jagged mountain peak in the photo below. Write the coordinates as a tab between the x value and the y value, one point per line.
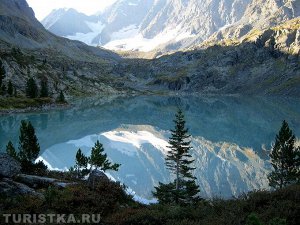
68	21
147	24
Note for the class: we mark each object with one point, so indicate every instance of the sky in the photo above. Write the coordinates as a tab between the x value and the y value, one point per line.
43	7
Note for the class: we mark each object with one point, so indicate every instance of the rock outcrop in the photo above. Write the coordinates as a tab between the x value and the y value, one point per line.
9	167
12	183
11	188
260	15
95	177
40	182
27	49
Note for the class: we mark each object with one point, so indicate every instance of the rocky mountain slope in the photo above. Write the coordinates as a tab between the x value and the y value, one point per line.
147	24
171	25
28	49
264	61
64	22
260	15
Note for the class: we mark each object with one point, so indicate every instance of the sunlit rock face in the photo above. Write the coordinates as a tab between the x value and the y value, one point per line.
222	169
147	24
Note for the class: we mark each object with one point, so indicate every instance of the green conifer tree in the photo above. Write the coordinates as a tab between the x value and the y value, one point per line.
61	98
178	161
81	164
10	150
29	147
44	89
10	88
285	159
31	88
98	159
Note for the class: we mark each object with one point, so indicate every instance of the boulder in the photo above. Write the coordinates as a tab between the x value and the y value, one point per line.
95	177
11	188
9	167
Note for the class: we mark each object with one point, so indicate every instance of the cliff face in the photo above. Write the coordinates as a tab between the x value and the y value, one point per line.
262	62
167	24
260	14
164	26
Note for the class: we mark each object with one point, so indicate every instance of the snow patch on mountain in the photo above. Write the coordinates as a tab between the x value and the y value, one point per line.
120	139
53	17
89	37
222	169
130	38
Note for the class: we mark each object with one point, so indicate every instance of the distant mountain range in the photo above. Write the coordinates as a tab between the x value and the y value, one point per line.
256	55
169	25
28	49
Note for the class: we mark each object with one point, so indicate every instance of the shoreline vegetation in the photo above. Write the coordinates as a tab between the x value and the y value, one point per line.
13	105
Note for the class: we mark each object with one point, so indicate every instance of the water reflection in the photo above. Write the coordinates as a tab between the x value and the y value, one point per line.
251	122
229	136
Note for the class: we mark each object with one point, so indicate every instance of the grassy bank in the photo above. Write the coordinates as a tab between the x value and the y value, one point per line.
22	104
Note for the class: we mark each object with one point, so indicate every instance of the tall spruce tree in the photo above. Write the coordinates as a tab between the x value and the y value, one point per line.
29	147
31	88
285	159
10	88
44	89
184	189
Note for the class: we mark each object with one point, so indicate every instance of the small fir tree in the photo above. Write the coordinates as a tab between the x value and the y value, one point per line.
99	160
10	150
29	147
285	159
44	89
61	98
10	88
81	164
184	189
31	88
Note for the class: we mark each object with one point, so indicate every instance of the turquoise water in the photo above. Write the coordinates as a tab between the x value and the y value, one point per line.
243	122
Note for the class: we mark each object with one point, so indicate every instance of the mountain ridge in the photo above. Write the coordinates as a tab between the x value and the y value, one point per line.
166	26
264	62
29	50
177	20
